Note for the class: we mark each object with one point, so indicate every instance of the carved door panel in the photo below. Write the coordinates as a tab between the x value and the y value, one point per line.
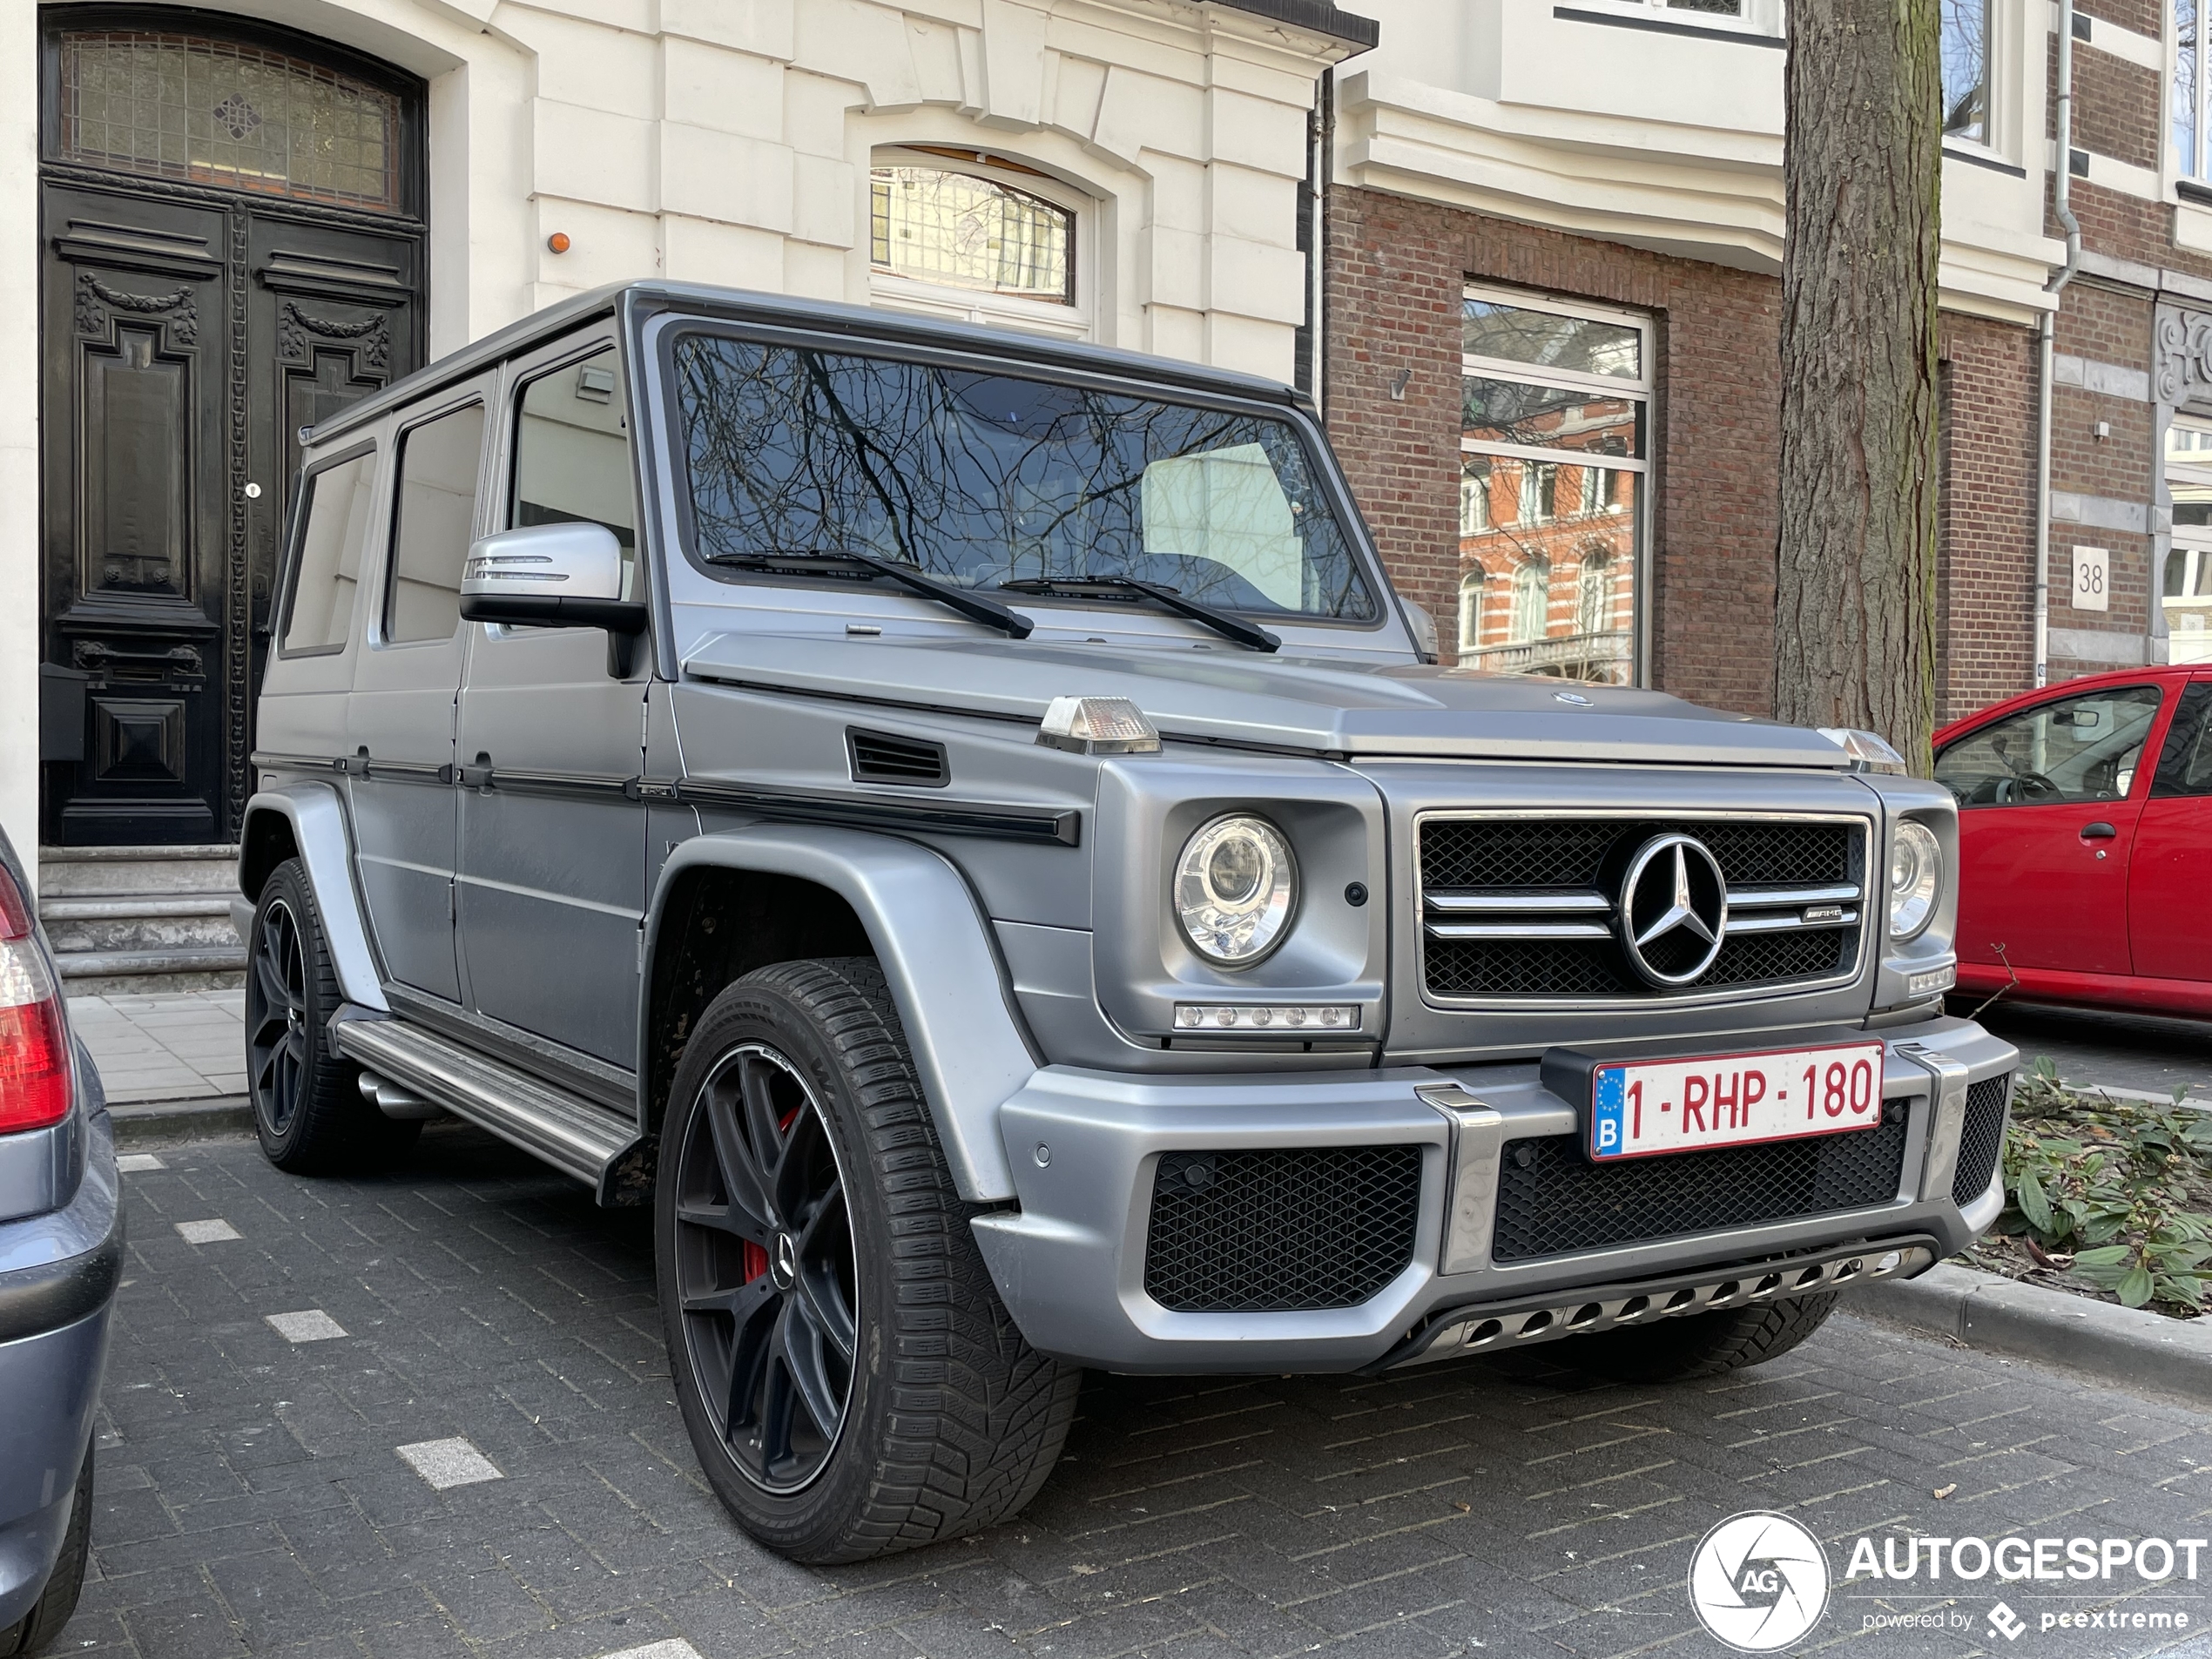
332	316
138	517
232	232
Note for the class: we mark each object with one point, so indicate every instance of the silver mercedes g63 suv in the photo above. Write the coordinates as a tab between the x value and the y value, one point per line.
960	824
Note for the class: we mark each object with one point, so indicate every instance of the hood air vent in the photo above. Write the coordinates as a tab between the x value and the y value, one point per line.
882	758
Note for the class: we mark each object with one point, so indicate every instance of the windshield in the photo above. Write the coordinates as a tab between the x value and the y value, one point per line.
980	479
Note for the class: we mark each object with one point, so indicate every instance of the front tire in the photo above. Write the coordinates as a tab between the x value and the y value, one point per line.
851	1382
1705	1345
308	1105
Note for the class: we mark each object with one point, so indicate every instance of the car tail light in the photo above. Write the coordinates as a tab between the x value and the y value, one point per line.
34	1044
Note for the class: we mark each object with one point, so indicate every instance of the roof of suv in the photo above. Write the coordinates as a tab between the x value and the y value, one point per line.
862	322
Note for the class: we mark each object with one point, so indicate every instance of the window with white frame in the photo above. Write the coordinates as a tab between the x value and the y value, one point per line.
1594	592
1964	53
1474	495
2188	102
1532	595
2185	587
1751	16
1555	408
966	233
1471	605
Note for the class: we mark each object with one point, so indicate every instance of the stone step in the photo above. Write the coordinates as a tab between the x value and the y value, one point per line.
137	922
149	973
69	871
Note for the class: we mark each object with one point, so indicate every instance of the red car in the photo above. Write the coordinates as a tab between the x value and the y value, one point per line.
2085	840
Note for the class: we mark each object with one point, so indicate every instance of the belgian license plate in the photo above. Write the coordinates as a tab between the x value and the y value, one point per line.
1649	1107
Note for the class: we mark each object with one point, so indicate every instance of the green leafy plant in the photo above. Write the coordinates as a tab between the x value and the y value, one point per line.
2116	1191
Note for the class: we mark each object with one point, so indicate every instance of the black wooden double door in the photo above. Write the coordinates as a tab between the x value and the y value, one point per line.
188	336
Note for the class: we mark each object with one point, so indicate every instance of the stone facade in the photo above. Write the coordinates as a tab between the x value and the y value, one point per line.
731	141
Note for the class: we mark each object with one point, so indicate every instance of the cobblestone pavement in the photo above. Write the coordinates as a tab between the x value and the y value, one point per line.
304	1416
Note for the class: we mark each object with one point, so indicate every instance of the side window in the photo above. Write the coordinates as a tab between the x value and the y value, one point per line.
573	455
433	516
334	529
2185	760
2080	748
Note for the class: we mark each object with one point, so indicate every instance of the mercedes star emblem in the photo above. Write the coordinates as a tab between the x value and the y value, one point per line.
1674	910
783	1267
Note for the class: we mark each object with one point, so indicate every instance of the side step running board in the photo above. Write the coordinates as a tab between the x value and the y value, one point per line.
568	1131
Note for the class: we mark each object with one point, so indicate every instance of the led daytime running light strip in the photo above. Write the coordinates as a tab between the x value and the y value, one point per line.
1193	1017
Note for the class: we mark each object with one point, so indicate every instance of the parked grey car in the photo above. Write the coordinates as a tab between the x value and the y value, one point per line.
961	824
61	1253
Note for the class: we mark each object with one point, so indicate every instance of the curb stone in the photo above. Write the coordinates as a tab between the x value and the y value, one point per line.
2126	1347
138	1122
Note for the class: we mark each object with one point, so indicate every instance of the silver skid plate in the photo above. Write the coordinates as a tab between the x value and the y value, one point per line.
1493	1328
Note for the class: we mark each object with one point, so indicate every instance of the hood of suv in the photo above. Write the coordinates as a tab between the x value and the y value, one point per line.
1325	706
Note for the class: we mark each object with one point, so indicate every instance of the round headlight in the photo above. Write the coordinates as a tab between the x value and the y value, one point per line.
1234	888
1916	877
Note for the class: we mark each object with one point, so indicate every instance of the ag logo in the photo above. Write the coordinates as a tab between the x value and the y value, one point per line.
1759	1581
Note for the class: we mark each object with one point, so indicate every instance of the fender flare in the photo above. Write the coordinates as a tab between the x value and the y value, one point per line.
318	820
969	1047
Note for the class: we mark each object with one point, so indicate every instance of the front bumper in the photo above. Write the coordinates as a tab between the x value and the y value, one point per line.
1070	1263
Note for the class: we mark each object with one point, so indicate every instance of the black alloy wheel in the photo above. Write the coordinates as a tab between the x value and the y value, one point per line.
848	1377
276	1015
307	1105
764	1270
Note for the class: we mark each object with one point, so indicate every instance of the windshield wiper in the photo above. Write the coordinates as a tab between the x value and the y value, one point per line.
973	606
1228	627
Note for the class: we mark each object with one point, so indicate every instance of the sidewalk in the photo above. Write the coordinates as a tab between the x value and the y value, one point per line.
181	1045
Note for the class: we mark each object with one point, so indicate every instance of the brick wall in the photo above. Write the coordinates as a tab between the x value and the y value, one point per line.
2142	15
2111	97
1396	272
1986	547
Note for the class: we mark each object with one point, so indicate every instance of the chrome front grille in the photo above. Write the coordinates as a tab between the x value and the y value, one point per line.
1529	907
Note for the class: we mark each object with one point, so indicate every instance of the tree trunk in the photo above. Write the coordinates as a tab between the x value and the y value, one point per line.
1855	618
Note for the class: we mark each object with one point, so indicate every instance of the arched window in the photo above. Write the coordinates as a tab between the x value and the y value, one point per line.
1470	611
967	228
228	113
1531	588
1594	593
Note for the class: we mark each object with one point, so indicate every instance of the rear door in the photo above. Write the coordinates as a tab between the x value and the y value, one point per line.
2170	878
400	720
2048	799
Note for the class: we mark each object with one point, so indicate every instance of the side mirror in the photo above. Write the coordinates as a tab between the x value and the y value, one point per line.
555	576
1417	618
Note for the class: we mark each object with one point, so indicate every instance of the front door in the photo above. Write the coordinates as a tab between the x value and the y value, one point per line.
2048	800
551	871
231	249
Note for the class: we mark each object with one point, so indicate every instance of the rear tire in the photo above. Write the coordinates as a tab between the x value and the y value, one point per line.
66	1582
308	1105
851	1381
1705	1345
